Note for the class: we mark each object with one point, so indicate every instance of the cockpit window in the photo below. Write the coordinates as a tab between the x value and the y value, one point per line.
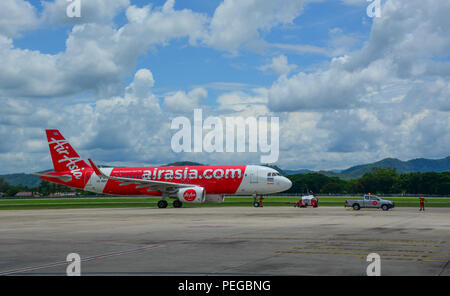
271	174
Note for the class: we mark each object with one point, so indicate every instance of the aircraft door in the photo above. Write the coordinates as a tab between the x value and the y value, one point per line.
253	175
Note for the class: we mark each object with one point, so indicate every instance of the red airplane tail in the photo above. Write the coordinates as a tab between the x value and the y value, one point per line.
64	157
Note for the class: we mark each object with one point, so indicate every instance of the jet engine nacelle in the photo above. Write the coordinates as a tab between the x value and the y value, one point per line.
215	198
192	194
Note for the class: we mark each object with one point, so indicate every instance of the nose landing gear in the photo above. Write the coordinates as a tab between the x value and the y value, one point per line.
257	203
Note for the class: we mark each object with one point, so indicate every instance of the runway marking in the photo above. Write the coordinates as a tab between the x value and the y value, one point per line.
363	255
425	250
101	256
406	259
342	253
311	240
368	250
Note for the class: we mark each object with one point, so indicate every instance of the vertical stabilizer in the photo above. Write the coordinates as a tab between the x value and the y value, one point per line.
64	157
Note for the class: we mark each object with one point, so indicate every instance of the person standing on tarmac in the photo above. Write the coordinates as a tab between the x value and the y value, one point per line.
422	203
260	201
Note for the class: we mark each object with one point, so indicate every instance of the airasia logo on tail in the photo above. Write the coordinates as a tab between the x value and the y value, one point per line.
189	195
71	161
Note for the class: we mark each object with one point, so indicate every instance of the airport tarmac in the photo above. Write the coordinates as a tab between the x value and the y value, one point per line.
225	241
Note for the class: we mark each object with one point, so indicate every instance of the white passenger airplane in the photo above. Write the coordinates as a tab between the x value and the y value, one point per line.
190	184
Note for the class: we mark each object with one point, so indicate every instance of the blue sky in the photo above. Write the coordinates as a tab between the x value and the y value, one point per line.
348	89
179	66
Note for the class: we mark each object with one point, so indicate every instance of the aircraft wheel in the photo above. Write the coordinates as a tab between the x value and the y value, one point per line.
256	204
162	204
177	204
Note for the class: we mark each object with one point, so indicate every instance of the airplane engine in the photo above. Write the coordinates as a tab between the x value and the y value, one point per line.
192	194
215	198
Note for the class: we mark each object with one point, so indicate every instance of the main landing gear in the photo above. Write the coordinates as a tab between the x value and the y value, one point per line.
177	204
163	204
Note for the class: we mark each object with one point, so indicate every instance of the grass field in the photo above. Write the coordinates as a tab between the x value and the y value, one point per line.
128	202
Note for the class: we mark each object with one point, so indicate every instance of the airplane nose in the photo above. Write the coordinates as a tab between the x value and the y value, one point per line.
287	184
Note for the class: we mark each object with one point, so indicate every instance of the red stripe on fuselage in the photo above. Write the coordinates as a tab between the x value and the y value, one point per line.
215	179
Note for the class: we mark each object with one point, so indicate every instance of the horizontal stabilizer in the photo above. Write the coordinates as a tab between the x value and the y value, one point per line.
64	178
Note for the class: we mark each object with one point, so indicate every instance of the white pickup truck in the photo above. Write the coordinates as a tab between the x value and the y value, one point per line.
369	201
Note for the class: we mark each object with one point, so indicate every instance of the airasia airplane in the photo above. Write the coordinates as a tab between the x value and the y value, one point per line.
190	184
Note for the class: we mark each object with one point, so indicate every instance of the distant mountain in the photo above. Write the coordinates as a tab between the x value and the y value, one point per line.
22	179
300	171
414	165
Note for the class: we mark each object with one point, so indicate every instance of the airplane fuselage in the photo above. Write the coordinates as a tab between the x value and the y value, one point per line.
230	180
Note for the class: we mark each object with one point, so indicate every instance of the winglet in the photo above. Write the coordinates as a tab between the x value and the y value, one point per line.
96	169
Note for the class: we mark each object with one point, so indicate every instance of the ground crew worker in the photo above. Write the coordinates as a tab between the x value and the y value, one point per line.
422	203
260	201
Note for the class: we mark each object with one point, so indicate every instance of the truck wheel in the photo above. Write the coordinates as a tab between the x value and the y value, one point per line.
385	207
356	207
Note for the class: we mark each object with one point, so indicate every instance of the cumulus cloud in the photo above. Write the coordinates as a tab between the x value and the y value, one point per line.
326	89
17	16
237	23
379	101
129	128
279	66
97	55
182	102
243	104
92	11
389	98
400	47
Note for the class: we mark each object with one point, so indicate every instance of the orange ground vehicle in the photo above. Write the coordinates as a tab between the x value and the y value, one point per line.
305	201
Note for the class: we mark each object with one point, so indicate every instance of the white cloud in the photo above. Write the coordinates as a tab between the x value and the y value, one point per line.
16	16
238	23
390	98
302	48
243	104
97	56
182	102
128	128
402	45
328	89
279	66
380	100
92	11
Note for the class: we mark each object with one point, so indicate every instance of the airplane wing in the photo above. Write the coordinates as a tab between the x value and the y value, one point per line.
142	183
